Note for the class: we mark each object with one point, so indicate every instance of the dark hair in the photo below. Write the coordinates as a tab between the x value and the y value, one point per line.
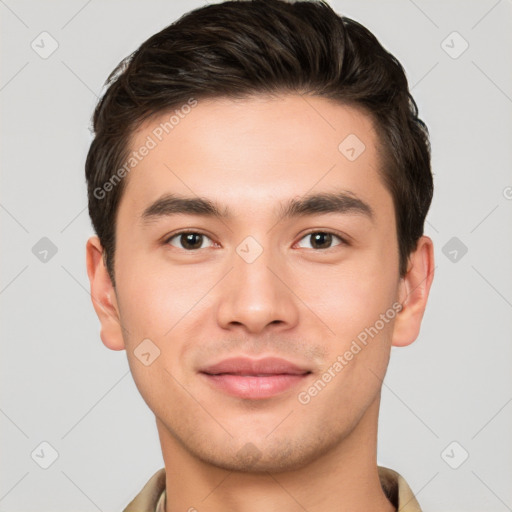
240	48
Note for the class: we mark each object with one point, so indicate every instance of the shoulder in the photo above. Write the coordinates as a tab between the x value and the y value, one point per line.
397	490
148	497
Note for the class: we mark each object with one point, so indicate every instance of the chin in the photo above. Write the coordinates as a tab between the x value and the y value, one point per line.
281	454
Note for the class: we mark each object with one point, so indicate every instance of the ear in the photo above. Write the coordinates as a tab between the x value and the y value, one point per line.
103	296
413	293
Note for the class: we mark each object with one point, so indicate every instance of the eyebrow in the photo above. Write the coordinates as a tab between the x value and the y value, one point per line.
342	202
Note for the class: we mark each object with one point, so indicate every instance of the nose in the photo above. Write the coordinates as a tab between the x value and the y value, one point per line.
257	295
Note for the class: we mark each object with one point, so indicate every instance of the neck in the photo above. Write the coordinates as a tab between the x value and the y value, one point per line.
344	479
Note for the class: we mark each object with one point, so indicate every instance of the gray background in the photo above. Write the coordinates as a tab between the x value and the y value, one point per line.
60	385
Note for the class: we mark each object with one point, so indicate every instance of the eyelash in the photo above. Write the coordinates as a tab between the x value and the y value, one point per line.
343	240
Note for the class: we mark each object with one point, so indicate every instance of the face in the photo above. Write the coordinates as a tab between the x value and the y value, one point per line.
267	325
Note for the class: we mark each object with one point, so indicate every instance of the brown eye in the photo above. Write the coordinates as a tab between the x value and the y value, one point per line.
322	239
189	241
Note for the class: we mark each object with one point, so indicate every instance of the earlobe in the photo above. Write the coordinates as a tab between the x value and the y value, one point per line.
414	289
103	296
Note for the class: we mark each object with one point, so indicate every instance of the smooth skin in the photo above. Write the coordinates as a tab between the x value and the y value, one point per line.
296	301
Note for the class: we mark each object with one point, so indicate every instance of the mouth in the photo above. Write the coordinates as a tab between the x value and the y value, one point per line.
254	379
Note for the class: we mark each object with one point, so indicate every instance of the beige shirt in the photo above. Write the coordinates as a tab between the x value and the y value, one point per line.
152	496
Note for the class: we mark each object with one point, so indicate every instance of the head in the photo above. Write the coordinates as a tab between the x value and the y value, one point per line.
246	106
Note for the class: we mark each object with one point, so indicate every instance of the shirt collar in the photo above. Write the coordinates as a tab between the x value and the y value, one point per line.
152	497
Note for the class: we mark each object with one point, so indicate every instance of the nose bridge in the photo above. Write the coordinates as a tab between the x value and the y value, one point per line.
254	293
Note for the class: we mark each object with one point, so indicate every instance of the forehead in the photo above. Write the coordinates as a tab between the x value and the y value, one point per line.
248	153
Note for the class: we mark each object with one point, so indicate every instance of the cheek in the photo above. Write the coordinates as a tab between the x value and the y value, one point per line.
153	302
351	297
153	294
357	304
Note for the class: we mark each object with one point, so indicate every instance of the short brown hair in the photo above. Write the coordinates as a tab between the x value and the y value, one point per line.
239	48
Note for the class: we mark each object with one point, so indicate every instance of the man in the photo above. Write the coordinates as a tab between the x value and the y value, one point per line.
259	181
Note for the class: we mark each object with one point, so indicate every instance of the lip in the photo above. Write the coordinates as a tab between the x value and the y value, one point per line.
250	366
254	379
